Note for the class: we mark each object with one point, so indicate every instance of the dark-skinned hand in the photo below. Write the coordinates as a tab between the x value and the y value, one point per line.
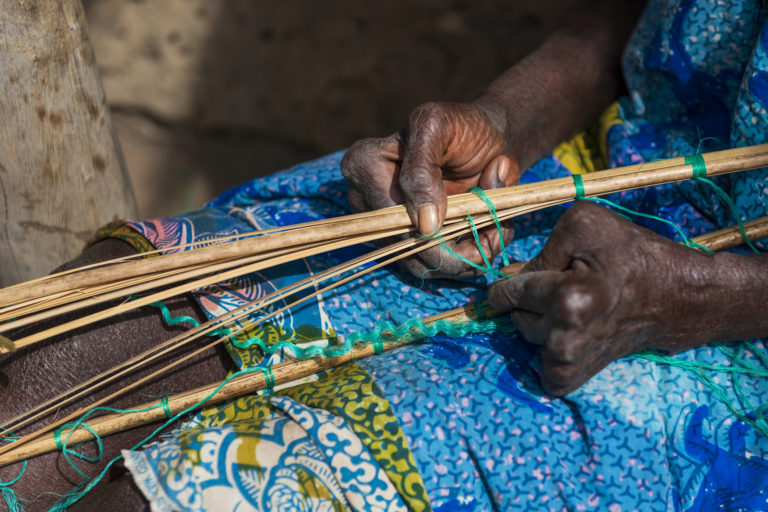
602	288
446	149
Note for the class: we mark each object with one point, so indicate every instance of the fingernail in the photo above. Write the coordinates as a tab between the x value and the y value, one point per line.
427	218
503	170
496	245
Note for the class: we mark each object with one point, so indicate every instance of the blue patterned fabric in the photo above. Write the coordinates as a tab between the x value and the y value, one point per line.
638	436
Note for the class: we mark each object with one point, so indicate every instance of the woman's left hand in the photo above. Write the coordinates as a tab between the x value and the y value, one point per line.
602	288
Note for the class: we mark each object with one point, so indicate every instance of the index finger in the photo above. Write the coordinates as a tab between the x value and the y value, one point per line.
421	176
529	291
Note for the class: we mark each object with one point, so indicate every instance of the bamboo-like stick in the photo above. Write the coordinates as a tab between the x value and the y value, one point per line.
650	166
420	245
166	347
260	264
92	295
593	189
85	298
293	370
596	183
179	341
244	385
731	237
283	256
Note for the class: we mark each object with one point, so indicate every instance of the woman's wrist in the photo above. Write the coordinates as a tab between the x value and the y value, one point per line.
565	84
720	297
738	296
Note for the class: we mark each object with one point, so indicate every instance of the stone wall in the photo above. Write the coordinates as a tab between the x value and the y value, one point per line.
206	94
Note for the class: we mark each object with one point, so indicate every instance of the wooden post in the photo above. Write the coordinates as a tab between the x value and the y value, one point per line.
62	173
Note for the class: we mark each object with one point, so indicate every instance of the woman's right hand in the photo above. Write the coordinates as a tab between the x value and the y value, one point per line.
445	149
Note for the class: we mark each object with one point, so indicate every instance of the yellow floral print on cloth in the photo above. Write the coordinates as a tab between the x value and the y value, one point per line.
248	354
347	392
300	458
351	393
332	444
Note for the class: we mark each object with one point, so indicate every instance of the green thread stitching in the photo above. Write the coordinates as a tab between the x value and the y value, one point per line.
698	165
578	184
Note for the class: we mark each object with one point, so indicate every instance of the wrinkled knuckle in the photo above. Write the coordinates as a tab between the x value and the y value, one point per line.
417	179
426	118
358	158
574	302
428	110
581	215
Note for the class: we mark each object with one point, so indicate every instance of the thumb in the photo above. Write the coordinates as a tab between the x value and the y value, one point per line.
501	172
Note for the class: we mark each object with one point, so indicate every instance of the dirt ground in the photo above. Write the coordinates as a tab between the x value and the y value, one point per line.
206	94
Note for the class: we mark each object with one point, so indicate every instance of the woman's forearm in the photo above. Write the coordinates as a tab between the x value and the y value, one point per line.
565	84
731	302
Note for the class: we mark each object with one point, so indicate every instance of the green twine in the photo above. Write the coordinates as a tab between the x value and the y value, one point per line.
415	328
492	210
699	173
578	184
471	263
63	446
8	495
85	486
476	236
164	403
4	485
734	212
269	380
299	352
488	267
738	368
176	320
403	333
686	241
698	165
383	330
10	499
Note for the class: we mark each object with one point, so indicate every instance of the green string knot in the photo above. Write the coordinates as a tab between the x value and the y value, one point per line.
269	378
698	165
578	184
699	173
164	403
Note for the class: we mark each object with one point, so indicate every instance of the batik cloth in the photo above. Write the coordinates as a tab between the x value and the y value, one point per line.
462	423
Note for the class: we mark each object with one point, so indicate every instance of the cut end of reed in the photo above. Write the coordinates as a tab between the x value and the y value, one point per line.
6	345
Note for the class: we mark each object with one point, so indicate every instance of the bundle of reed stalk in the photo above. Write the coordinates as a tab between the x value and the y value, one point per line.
231	257
215	261
291	371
